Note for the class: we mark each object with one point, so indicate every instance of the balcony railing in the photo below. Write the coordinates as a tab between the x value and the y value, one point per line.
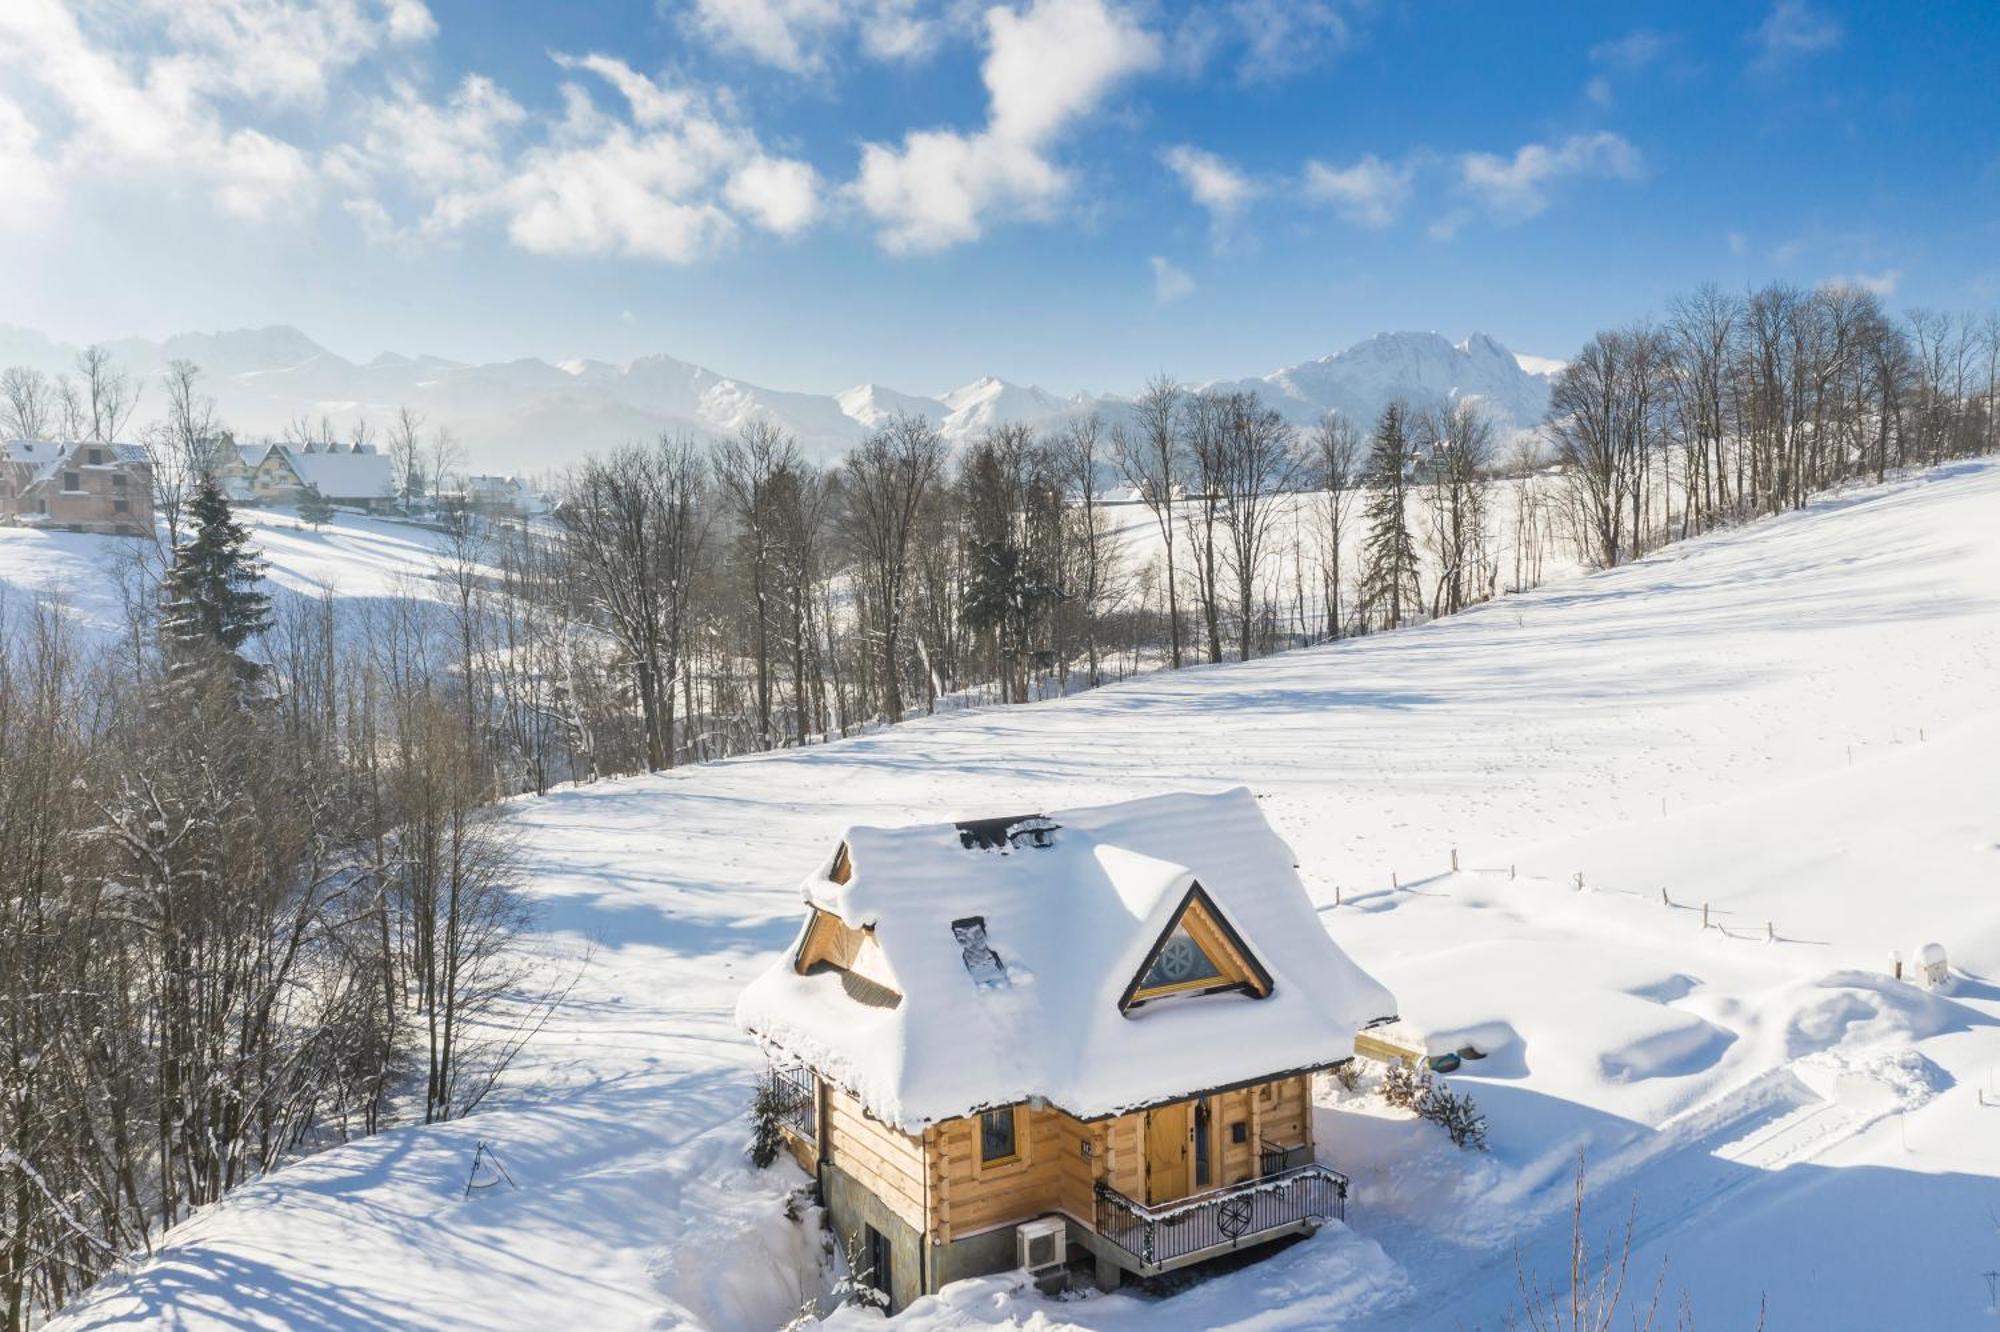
1273	1159
797	1092
1165	1234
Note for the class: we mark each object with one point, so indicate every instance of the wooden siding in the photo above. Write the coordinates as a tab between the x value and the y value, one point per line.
1053	1174
888	1162
833	941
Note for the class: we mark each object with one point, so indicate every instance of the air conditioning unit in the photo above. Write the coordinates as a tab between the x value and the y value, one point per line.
1041	1243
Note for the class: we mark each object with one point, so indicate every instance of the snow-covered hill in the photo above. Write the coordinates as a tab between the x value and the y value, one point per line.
1790	730
532	414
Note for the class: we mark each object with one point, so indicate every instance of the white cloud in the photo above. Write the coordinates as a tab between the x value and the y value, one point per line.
32	189
1882	284
1283	37
1210	181
1046	67
779	194
1369	193
166	94
796	35
1598	90
1793	30
673	178
1739	244
1515	188
1634	51
1170	283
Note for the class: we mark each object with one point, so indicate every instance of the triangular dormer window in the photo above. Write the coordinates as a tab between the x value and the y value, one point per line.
1199	953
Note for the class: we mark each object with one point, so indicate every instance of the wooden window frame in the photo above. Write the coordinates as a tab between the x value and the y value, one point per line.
1241	971
999	1164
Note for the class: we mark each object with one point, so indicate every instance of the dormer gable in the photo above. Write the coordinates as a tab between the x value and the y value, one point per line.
1198	952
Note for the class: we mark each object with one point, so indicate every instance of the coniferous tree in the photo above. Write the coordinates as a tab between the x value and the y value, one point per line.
314	507
214	604
1389	554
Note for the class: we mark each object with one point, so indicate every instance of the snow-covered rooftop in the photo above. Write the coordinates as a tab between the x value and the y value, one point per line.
344	475
1072	924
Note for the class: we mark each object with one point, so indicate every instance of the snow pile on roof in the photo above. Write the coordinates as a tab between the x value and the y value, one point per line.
344	475
1068	927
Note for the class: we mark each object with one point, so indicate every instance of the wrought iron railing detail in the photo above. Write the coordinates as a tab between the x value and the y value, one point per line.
797	1092
1273	1159
1221	1218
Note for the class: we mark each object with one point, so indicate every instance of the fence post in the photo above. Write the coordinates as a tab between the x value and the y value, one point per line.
1663	898
1579	880
1770	932
1454	860
1704	915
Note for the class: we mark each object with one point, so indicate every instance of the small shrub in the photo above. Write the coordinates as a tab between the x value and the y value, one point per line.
1456	1114
1348	1075
1404	1085
857	1285
766	1140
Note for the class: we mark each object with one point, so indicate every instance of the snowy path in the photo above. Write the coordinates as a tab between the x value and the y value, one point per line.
1684	723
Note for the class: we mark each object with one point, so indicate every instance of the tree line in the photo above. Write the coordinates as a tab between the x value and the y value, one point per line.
254	899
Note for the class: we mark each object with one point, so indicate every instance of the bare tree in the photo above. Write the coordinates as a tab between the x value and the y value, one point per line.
1336	460
109	397
748	469
886	481
406	455
27	404
1151	459
1258	465
1456	445
635	526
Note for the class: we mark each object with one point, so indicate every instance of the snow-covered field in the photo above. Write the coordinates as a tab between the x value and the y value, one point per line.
354	556
1796	724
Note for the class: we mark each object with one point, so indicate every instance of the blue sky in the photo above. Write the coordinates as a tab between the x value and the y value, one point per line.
1076	193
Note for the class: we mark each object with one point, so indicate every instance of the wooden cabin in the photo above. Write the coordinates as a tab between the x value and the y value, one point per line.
1081	1036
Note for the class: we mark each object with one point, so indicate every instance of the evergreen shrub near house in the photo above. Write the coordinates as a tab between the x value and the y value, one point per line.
766	1141
315	507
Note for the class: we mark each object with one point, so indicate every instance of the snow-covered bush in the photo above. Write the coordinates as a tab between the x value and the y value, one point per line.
766	1141
1348	1075
1456	1114
1405	1084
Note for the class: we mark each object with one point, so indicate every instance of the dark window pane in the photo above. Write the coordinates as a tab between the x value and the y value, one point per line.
1180	961
996	1135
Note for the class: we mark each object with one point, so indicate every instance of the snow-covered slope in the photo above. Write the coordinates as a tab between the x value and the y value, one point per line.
1794	724
532	414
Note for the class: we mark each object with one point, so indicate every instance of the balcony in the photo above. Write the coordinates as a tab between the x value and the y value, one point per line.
1162	1236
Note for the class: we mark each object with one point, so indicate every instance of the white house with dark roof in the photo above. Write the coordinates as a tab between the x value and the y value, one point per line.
1003	1040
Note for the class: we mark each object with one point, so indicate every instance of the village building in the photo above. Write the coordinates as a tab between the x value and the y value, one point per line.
78	486
356	476
1085	1036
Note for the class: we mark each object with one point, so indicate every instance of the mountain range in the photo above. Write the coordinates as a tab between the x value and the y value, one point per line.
531	415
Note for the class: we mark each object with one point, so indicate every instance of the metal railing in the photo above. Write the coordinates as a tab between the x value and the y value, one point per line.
1273	1159
797	1093
1220	1219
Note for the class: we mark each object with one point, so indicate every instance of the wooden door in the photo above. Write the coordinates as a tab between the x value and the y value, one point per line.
1167	1132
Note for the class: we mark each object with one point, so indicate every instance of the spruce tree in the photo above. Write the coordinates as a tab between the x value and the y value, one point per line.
314	507
213	603
1389	553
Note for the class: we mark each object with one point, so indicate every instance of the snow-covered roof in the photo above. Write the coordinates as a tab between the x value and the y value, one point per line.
1072	926
344	475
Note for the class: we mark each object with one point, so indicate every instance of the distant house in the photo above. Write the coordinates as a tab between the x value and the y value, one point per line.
353	475
80	486
497	496
1009	1042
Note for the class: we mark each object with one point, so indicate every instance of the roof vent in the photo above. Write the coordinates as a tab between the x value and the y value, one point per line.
1003	835
981	962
